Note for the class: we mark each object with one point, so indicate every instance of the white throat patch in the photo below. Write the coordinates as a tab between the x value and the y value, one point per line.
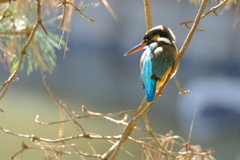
163	39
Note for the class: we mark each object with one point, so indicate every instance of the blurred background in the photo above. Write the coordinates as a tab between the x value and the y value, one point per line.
95	73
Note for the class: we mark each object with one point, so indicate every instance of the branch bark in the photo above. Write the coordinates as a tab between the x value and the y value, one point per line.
148	13
4	1
212	10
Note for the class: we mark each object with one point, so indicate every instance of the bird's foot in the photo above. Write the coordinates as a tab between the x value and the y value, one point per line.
181	91
184	92
159	93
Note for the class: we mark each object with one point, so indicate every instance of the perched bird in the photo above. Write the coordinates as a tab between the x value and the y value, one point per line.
157	60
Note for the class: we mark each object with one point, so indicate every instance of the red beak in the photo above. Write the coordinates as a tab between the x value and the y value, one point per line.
136	48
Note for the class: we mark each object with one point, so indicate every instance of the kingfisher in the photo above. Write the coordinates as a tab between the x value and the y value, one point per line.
157	60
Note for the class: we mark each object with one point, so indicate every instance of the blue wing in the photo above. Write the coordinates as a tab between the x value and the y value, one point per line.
146	72
154	63
163	58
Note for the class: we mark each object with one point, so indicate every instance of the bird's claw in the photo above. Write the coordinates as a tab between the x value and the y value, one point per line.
184	92
159	93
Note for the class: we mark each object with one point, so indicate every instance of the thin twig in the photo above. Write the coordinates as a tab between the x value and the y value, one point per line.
39	18
61	125
97	115
64	13
60	140
109	115
191	33
123	123
145	145
6	13
64	2
191	127
13	76
17	32
60	104
66	44
24	147
236	17
86	6
128	130
109	9
150	131
56	151
181	91
213	9
40	139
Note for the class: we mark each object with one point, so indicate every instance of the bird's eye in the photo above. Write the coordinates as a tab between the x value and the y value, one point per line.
145	40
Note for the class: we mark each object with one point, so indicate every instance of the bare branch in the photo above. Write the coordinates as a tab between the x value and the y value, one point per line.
86	136
97	115
109	9
35	138
6	13
4	1
24	147
148	13
150	131
181	91
64	2
124	123
61	105
212	10
236	17
56	151
13	77
86	6
17	32
191	127
191	33
128	130
39	17
64	13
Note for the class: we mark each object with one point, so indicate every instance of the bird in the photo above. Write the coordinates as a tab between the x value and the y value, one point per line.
157	60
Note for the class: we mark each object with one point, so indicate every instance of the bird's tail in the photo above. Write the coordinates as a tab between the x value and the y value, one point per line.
150	89
149	84
152	85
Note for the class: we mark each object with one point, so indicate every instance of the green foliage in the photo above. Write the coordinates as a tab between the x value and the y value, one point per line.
15	28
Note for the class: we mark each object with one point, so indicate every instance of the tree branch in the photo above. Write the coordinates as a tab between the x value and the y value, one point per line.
97	115
4	1
212	10
6	13
181	91
61	105
64	2
56	151
148	13
191	33
13	76
150	131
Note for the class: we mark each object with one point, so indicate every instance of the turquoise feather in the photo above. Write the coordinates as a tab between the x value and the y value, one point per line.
154	63
146	72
